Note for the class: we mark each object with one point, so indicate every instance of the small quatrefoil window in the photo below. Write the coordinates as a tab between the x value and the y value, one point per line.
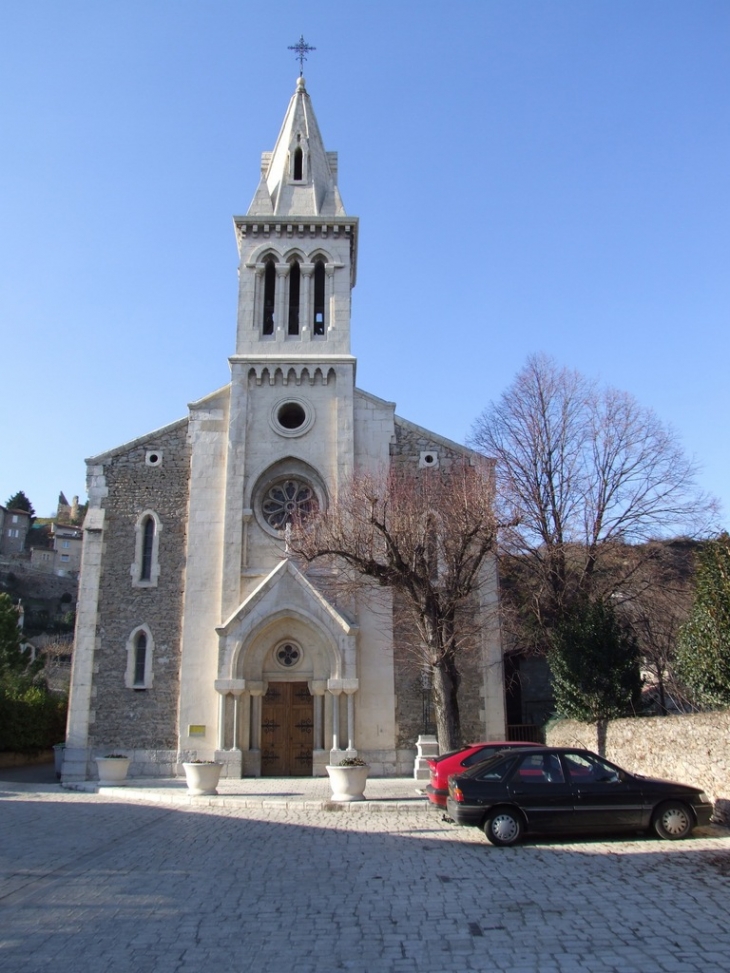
288	655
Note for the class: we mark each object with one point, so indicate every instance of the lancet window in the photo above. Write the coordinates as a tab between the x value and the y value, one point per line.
140	647
148	541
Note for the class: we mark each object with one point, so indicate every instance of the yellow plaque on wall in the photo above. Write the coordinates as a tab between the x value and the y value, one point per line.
196	730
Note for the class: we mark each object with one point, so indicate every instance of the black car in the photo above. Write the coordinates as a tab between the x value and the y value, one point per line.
556	790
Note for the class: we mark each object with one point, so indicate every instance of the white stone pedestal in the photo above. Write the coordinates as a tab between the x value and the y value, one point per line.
427	746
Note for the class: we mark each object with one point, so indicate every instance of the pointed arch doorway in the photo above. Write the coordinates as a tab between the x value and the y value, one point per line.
287	730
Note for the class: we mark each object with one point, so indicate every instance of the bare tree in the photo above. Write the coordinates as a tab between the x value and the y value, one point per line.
655	603
580	470
425	534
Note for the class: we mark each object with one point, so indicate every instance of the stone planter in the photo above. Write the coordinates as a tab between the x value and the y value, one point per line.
112	771
348	783
202	778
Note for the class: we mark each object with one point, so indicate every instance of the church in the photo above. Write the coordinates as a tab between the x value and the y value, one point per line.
197	636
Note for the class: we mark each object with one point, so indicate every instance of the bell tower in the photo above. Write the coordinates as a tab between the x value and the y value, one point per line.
298	250
291	420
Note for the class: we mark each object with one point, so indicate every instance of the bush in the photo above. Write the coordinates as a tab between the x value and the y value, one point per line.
31	718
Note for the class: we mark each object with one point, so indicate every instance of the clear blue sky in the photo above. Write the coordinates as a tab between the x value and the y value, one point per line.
530	175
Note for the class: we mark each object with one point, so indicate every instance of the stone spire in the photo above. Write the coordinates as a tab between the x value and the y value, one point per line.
299	178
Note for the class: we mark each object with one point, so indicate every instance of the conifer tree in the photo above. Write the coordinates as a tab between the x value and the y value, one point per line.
703	653
11	657
594	662
19	501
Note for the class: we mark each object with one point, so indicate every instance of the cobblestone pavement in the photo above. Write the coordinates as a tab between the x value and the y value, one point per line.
99	884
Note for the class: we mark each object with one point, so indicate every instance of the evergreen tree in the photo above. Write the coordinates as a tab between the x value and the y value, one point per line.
19	501
12	659
594	662
703	653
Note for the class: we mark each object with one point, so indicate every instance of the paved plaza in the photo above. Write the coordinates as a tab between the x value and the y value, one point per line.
277	882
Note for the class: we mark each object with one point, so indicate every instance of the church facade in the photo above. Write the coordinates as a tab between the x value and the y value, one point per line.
197	636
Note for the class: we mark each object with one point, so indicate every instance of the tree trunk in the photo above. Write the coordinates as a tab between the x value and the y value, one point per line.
445	682
601	733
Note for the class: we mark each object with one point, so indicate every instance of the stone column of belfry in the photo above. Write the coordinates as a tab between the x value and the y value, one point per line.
329	270
281	317
305	298
258	297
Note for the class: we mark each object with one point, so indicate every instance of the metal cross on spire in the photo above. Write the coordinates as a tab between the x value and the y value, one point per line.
302	49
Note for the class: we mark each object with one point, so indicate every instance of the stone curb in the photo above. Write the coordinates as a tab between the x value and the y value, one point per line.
179	797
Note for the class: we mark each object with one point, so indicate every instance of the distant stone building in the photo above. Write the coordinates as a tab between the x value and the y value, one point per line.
14	527
196	634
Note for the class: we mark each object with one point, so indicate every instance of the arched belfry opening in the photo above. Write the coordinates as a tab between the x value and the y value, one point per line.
269	296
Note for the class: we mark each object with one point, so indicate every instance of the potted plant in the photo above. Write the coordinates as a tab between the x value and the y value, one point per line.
202	776
348	778
113	769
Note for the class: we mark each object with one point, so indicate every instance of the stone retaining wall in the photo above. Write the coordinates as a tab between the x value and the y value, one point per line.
693	748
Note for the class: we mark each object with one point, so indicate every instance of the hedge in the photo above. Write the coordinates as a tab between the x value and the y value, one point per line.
31	718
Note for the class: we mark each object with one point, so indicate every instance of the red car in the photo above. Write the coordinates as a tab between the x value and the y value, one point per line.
457	760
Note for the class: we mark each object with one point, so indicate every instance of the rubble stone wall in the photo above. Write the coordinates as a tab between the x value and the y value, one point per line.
123	717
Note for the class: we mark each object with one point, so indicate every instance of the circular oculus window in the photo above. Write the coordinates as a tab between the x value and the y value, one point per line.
292	417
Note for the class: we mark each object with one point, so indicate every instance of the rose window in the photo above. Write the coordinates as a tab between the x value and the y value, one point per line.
288	501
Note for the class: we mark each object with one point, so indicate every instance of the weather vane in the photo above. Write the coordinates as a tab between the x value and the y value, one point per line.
302	49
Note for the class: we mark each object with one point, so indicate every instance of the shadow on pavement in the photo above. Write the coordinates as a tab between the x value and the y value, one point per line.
30	774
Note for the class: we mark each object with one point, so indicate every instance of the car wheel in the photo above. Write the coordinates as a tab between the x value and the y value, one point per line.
672	820
504	826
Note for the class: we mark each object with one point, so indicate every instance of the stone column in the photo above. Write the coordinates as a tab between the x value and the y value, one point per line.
222	696
245	717
236	718
350	721
281	316
305	299
258	299
329	270
335	718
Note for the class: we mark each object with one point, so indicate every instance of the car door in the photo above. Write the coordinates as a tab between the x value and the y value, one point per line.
538	786
604	796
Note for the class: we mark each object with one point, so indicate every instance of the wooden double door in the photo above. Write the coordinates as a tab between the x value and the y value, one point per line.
287	730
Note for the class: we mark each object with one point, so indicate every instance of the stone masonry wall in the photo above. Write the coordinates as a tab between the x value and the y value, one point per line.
410	442
123	717
690	747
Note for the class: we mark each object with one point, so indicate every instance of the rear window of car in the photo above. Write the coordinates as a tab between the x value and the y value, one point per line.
495	768
479	756
443	756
